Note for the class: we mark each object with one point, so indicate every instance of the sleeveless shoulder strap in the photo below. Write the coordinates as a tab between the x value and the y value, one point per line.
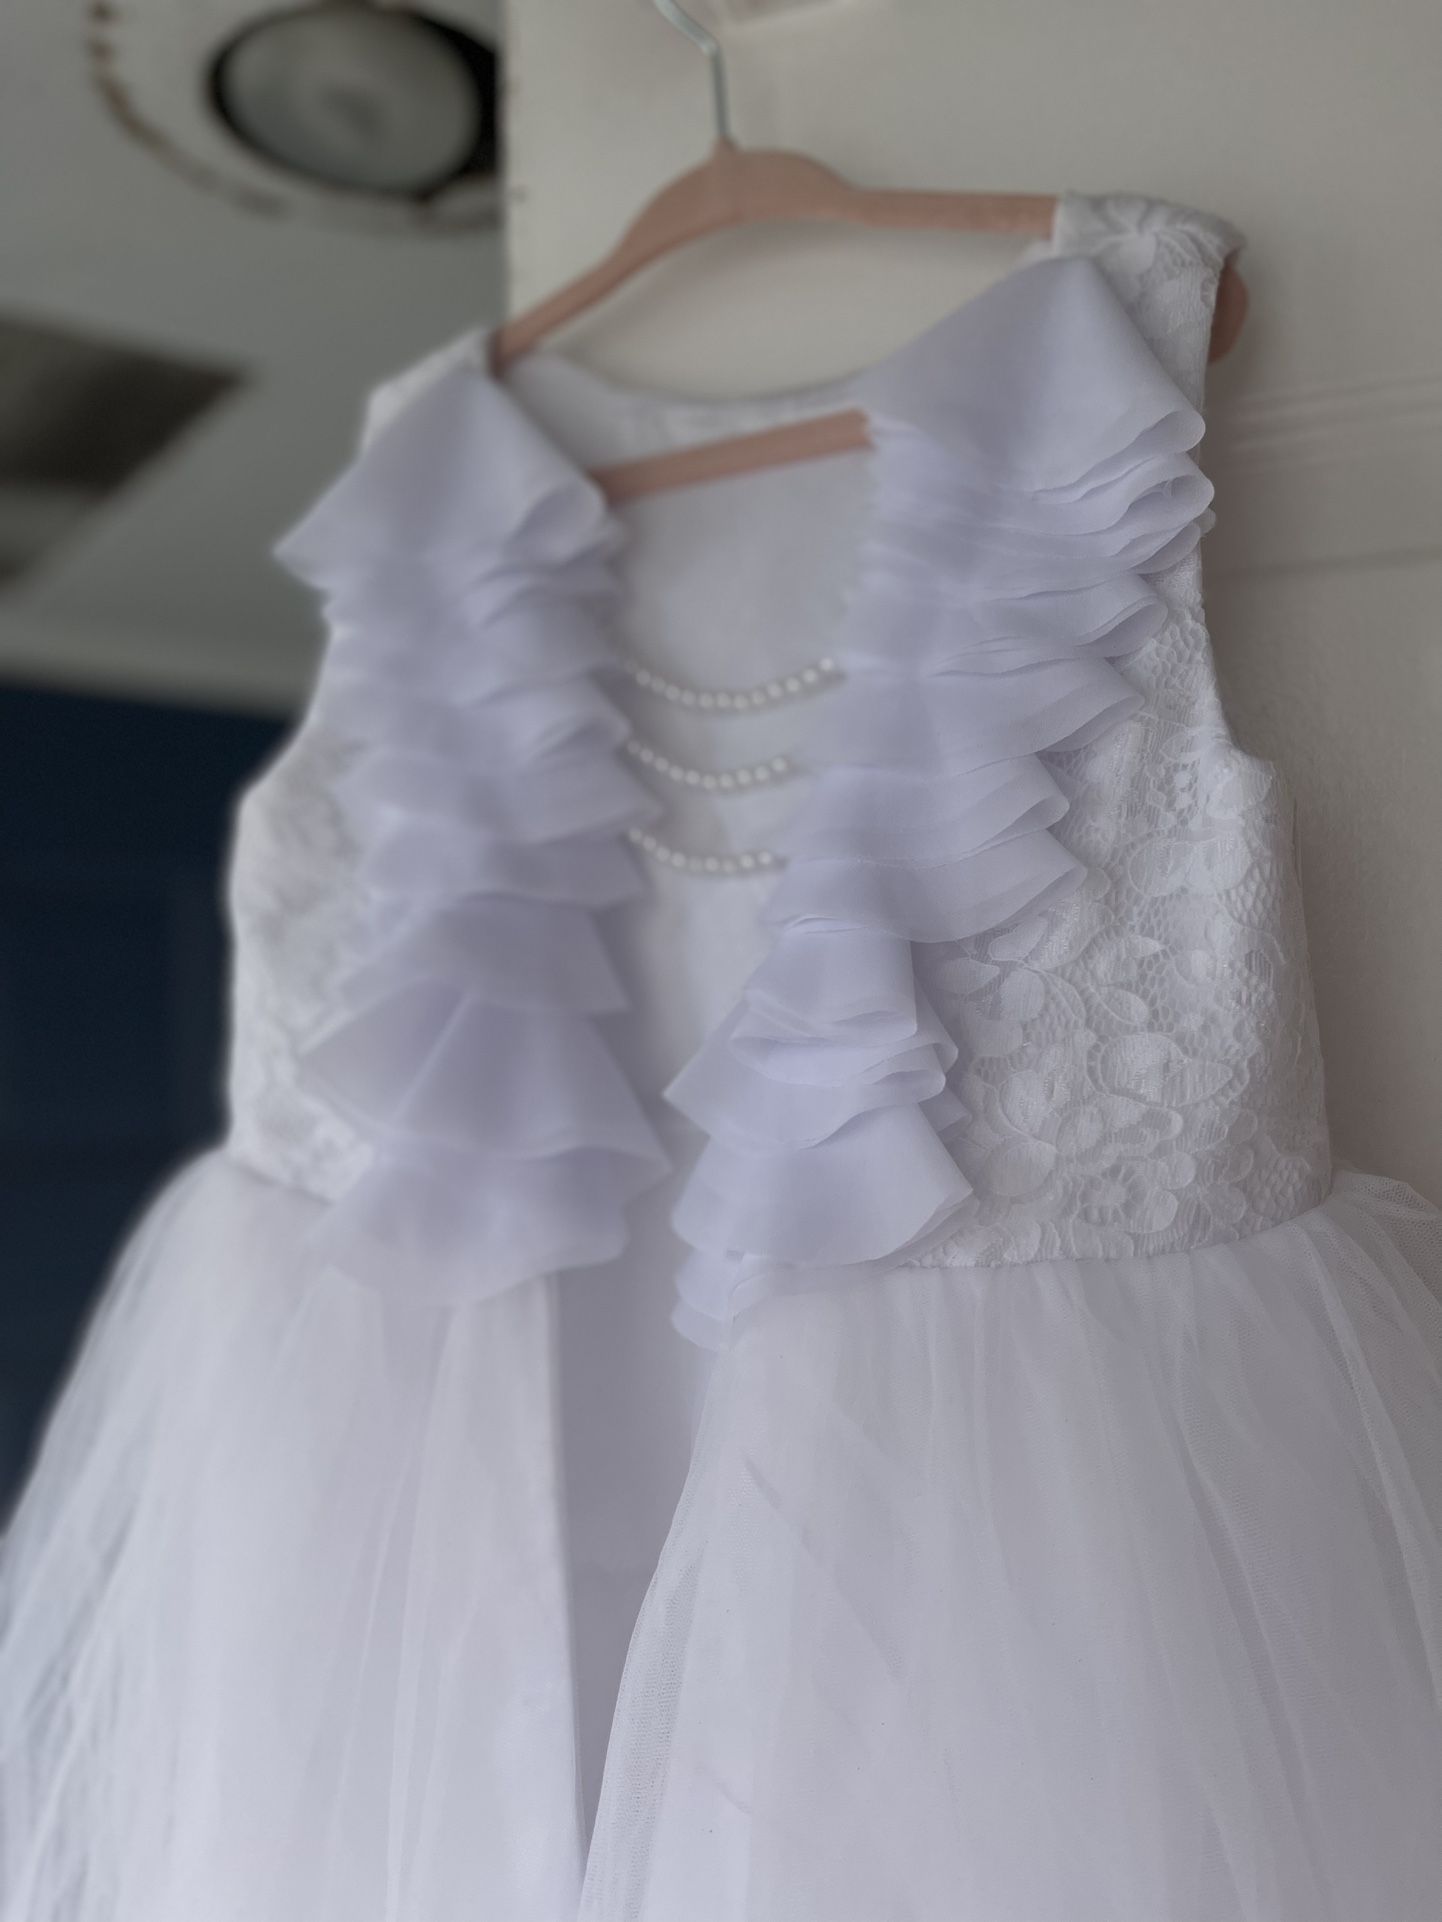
1164	262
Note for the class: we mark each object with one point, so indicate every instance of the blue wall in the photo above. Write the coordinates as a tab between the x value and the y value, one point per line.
115	819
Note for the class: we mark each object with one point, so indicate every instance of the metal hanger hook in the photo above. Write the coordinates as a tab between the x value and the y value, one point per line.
715	61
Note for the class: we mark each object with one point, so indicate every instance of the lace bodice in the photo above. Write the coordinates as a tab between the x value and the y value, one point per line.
1143	1068
1133	1068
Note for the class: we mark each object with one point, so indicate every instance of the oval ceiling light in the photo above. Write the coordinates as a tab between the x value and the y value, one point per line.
355	112
381	101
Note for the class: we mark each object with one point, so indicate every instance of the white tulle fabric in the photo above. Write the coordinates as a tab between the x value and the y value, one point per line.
464	570
1067	1592
285	1629
1100	1591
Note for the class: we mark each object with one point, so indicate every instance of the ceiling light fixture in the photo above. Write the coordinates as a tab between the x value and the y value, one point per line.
377	99
357	113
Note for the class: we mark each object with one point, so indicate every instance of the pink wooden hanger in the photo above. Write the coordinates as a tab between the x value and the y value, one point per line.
735	187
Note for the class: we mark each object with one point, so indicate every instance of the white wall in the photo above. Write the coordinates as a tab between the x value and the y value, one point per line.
1312	125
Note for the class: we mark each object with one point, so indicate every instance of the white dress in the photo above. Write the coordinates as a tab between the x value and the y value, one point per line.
777	1144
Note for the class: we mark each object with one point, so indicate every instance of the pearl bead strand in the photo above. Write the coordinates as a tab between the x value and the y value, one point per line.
762	861
723	781
805	681
735	700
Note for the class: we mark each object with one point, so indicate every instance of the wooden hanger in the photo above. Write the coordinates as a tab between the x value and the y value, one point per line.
735	187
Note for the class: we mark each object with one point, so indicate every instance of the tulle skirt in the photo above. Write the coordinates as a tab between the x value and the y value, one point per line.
284	1632
1076	1592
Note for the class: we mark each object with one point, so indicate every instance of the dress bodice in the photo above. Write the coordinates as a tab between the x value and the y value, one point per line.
1122	1057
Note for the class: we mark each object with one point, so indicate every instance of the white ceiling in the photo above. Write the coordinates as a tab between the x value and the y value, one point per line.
169	591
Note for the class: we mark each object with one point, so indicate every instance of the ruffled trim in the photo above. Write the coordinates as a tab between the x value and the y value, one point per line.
1033	467
466	571
1033	471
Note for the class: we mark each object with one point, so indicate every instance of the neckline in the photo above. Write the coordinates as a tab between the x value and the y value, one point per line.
801	400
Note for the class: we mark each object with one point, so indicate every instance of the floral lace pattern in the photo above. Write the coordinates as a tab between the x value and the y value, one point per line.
1140	1065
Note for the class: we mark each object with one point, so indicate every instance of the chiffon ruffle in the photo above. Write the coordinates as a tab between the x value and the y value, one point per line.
465	569
1100	1591
1033	467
